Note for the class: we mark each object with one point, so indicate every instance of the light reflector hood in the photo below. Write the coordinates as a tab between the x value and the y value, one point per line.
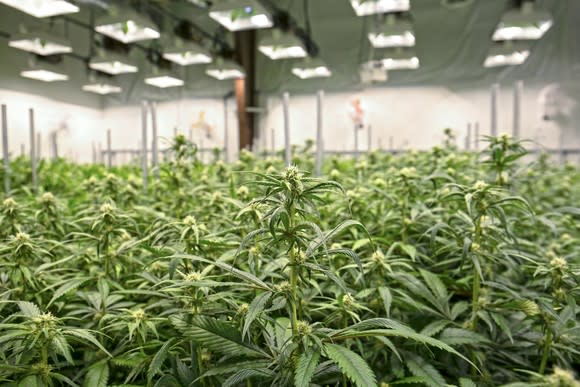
113	64
238	15
370	7
42	8
282	46
311	68
526	23
393	34
186	54
40	43
507	55
127	27
225	69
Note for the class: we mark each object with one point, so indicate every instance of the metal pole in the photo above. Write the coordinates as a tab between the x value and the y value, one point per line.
175	132
33	154
226	132
380	143
38	147
468	137
355	141
94	148
391	143
518	91
494	106
287	150
54	145
22	150
155	147
476	135
109	150
319	136
5	150
144	142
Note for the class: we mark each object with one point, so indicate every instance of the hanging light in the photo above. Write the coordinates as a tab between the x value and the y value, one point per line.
282	46
113	64
44	73
225	69
506	55
40	43
42	8
370	7
311	68
102	88
163	80
526	23
238	15
393	34
127	27
185	54
400	59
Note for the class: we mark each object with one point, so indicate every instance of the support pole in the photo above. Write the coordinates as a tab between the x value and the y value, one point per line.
109	150
494	106
94	149
5	150
226	132
287	150
33	154
319	136
144	142
476	134
391	147
155	147
356	141
518	91
38	147
22	150
468	137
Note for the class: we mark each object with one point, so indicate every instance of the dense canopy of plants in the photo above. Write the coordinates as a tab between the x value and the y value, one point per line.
428	268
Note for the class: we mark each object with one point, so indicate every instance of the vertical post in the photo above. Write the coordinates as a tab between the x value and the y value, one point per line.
155	148
94	149
226	132
356	141
109	150
144	142
391	147
5	150
476	134
369	138
494	106
100	153
22	150
468	137
518	91
33	154
287	151
175	133
319	136
54	144
380	143
38	146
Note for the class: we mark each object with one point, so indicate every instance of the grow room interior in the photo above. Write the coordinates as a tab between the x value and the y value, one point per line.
362	192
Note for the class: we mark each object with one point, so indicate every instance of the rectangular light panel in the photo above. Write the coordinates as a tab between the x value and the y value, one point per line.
223	74
102	88
187	58
44	75
113	67
40	46
281	52
311	72
513	59
381	40
42	8
370	7
522	32
128	32
257	21
401	63
163	81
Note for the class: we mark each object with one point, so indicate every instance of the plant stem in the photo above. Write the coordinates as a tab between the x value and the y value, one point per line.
293	281
547	347
476	287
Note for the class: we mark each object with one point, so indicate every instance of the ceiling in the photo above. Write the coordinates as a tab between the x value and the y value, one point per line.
451	44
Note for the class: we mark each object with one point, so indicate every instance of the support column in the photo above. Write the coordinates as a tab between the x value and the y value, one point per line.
245	88
33	154
518	92
319	134
494	107
287	145
5	150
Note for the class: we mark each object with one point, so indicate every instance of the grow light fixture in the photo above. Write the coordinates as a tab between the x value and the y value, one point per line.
282	46
400	60
188	54
370	7
42	8
113	65
225	70
163	80
523	24
40	44
393	34
127	27
238	15
43	74
506	56
102	88
313	68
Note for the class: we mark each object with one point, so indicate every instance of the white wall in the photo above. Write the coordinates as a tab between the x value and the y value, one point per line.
414	117
78	126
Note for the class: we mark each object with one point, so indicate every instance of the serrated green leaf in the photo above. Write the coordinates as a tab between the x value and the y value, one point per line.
305	369
351	365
